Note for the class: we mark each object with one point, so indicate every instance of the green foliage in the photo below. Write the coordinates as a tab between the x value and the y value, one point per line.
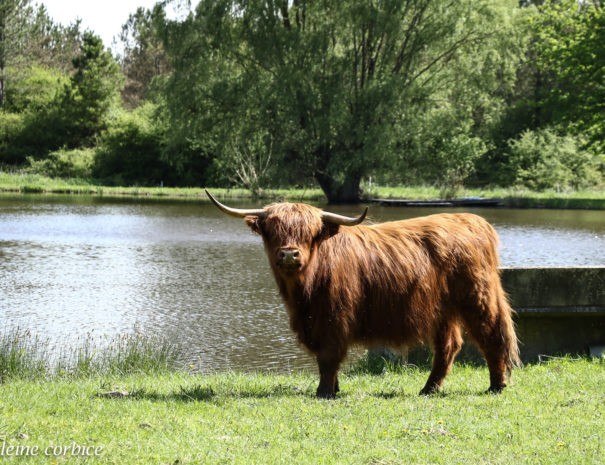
444	149
13	29
35	88
334	85
11	126
73	163
273	94
92	94
29	37
543	159
569	38
68	114
144	58
130	150
250	160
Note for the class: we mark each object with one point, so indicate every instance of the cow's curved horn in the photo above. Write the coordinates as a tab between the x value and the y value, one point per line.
343	220
237	212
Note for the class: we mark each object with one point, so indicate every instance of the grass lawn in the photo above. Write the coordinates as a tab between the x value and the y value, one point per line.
554	413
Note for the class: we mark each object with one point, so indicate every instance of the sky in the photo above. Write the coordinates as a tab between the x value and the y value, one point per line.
104	17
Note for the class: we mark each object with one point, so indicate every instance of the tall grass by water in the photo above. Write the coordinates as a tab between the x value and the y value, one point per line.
24	355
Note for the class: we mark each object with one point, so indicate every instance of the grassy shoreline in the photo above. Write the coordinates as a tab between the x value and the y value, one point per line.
129	403
553	414
23	183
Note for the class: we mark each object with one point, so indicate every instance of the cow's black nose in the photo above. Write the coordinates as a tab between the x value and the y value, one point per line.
289	256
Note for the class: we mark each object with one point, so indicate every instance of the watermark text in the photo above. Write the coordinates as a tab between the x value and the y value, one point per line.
70	450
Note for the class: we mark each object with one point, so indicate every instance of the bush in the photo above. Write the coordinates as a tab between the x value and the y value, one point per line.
445	150
130	151
76	163
542	159
35	87
11	126
34	134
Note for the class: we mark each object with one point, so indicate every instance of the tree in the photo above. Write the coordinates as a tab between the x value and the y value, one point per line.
30	39
571	57
12	30
50	44
93	91
78	112
144	57
335	83
34	88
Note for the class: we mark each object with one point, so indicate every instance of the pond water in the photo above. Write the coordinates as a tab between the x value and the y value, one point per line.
71	267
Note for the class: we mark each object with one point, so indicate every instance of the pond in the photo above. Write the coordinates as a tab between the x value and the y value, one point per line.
71	267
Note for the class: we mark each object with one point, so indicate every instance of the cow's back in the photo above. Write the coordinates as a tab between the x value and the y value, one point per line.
393	280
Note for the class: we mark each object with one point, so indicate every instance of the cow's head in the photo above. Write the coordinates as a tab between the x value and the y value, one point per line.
290	231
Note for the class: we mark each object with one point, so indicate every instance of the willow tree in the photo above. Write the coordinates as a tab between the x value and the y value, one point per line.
330	85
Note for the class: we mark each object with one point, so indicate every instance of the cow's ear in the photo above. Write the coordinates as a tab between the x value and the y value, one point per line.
330	229
253	223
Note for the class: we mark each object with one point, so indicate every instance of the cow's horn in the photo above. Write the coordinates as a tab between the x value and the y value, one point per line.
237	212
343	220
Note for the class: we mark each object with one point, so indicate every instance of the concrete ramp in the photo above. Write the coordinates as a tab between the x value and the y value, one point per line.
559	310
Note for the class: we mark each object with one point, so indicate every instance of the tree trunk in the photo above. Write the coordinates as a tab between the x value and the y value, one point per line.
2	84
345	191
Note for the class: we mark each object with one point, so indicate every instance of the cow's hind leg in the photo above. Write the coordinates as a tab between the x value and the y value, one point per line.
488	336
446	344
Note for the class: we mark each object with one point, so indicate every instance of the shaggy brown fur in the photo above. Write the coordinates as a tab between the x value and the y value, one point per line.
400	283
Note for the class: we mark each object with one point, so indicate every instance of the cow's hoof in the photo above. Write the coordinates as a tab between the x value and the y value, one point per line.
496	389
428	391
321	394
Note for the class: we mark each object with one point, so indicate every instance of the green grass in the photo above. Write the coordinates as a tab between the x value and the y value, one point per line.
554	413
511	197
24	182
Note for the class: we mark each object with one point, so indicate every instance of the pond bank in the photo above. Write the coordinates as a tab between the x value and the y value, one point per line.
21	183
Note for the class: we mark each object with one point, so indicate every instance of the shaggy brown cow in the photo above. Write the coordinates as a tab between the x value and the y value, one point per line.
400	283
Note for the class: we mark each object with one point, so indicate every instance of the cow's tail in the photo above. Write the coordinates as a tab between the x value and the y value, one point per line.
509	335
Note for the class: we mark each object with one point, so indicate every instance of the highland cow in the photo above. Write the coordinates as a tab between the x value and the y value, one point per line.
402	283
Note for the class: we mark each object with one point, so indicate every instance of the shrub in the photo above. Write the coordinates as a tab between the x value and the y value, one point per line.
542	159
130	150
35	87
11	126
76	163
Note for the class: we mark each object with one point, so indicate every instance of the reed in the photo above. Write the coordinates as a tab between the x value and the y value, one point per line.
22	355
25	355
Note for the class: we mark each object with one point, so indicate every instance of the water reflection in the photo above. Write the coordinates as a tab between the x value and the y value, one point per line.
74	266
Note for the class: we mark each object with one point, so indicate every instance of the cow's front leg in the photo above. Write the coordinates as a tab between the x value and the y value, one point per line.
328	375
